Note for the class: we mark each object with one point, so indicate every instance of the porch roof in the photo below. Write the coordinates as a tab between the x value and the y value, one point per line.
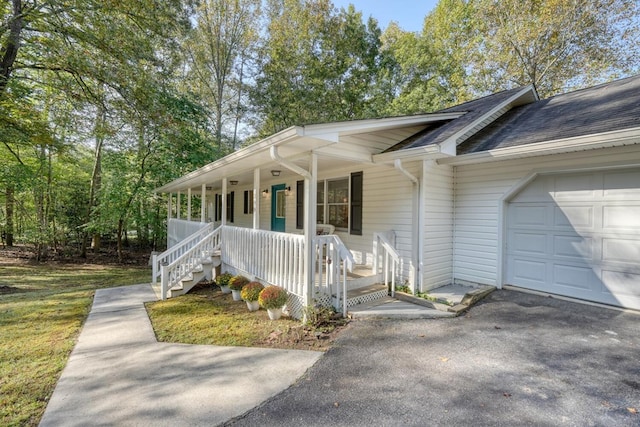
335	143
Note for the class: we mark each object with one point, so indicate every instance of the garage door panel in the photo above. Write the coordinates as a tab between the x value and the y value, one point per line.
573	187
530	271
573	217
621	283
621	217
584	243
529	243
622	184
574	277
527	216
573	247
621	250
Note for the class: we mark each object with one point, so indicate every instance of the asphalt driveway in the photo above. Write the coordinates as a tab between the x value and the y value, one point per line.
514	359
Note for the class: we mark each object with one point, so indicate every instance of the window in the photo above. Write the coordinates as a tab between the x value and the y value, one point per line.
280	204
248	202
339	203
229	207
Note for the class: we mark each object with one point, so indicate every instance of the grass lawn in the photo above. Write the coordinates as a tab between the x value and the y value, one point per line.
207	316
42	308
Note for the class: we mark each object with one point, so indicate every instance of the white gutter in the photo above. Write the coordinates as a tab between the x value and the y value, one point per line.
558	146
287	164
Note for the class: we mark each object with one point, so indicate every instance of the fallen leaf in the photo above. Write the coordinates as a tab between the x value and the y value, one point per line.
444	359
497	327
336	404
421	336
632	410
505	394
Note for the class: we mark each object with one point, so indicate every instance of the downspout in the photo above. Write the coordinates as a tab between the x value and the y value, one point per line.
417	280
287	164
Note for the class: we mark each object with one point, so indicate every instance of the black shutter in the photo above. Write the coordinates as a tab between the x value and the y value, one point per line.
230	206
356	204
246	202
300	205
218	215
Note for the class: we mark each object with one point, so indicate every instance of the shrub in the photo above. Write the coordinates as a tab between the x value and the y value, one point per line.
273	297
237	282
251	291
223	279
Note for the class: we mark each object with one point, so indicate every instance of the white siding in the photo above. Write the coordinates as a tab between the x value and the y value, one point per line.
478	193
438	225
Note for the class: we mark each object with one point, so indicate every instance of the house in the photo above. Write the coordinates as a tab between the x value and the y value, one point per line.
508	189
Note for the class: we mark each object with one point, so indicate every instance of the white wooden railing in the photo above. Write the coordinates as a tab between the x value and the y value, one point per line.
276	258
173	253
172	273
386	260
332	263
180	229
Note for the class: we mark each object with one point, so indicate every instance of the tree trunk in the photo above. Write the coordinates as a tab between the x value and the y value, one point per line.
10	50
9	207
96	182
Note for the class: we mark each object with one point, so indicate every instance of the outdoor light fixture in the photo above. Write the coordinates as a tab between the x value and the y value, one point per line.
233	182
275	173
287	191
265	192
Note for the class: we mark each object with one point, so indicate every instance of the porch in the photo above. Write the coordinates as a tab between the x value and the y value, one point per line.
276	258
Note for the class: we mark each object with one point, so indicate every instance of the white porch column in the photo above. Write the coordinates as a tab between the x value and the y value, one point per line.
256	198
169	207
310	197
178	206
189	204
203	203
224	201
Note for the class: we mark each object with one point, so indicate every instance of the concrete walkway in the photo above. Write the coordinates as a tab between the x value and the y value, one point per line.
118	374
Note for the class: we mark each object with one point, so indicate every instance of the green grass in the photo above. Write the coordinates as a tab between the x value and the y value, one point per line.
39	324
207	316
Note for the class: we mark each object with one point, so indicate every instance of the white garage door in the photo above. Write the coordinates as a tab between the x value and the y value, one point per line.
578	235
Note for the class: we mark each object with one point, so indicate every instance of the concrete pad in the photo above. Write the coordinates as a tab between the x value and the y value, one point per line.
118	374
390	308
452	293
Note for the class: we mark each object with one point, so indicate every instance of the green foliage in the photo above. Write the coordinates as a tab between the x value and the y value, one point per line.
251	291
237	282
273	297
224	279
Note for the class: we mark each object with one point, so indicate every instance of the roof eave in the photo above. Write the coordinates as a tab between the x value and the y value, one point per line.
616	138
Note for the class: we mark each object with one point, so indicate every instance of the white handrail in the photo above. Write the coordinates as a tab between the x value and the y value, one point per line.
390	262
338	261
173	253
181	267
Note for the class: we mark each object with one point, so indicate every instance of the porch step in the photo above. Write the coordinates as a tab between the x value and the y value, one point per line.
204	270
366	294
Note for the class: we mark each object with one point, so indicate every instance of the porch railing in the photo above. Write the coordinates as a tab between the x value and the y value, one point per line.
276	258
333	262
175	252
172	273
386	260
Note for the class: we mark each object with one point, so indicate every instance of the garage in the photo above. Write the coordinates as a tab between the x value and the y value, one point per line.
577	235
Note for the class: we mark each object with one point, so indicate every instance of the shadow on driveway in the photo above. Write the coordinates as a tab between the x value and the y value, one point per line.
514	359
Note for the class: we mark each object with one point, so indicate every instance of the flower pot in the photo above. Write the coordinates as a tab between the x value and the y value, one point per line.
253	305
274	313
225	289
236	295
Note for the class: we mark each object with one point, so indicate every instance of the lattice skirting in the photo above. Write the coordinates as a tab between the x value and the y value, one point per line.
363	299
295	306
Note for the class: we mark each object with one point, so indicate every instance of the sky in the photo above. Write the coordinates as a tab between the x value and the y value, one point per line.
409	14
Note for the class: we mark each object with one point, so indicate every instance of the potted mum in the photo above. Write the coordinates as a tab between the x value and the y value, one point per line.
235	284
250	293
223	281
273	298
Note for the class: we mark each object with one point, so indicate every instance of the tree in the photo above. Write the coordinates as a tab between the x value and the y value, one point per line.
316	65
219	48
556	45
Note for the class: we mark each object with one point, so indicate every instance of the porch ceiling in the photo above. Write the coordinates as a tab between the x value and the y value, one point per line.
338	145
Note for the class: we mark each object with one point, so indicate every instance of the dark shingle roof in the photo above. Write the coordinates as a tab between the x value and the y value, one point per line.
607	107
439	131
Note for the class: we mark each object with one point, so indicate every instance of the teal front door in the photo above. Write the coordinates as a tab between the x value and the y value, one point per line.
278	199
